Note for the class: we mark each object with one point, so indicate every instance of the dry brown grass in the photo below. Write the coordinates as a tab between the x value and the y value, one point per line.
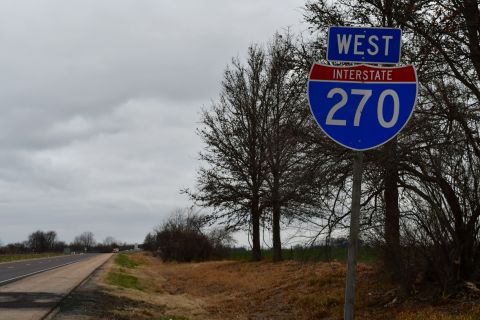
265	290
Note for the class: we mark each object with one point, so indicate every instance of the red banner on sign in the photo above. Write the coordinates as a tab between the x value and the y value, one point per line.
363	73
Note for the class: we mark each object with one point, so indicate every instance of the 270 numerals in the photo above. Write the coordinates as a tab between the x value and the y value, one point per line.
366	94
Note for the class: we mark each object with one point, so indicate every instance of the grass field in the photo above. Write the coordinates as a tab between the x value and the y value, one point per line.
123	280
120	277
244	290
312	254
16	257
124	261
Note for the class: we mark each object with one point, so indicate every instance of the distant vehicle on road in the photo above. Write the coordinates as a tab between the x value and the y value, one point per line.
115	250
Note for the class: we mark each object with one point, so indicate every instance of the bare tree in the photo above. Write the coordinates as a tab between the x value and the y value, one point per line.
233	180
40	241
110	241
286	117
434	164
85	240
183	236
444	177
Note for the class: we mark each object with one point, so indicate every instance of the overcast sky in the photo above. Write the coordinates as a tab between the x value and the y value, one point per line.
100	101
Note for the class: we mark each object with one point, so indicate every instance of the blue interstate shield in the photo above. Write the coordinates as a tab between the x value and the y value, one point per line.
362	107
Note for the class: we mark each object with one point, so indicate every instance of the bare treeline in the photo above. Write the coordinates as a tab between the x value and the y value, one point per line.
47	241
267	164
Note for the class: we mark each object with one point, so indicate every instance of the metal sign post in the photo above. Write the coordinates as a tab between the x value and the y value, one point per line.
353	240
361	107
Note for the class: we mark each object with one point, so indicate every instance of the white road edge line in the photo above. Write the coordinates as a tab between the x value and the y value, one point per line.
38	271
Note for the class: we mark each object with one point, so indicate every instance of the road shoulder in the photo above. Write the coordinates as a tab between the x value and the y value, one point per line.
35	296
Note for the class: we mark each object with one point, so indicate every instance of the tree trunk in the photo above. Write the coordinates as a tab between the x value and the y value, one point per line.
276	211
256	249
472	21
277	243
393	262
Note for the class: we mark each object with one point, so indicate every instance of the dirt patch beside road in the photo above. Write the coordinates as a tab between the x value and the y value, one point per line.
97	298
91	301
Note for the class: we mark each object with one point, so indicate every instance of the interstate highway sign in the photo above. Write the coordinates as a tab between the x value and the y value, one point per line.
362	107
372	45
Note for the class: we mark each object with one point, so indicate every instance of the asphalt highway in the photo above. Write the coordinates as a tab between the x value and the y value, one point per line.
12	271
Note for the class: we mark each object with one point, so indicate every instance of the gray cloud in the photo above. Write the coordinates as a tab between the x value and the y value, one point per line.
99	103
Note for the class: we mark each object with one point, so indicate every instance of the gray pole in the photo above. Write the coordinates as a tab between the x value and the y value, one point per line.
353	240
